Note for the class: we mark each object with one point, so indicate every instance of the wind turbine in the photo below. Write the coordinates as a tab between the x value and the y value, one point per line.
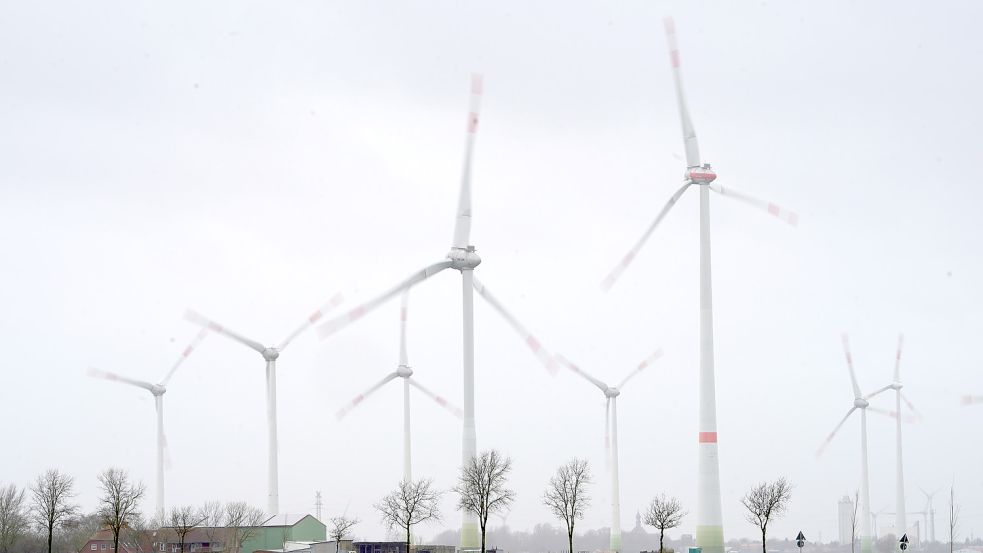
157	390
611	394
405	372
899	506
270	355
462	257
929	512
709	525
859	402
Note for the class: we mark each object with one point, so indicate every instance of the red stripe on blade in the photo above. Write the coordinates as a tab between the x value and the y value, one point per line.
708	437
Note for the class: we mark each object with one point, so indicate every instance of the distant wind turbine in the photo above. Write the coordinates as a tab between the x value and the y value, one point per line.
157	390
611	394
900	522
929	514
270	355
405	372
709	524
859	402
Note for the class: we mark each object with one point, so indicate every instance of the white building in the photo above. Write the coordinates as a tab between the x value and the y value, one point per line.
845	518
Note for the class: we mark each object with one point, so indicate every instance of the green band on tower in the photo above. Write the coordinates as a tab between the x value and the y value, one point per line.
710	539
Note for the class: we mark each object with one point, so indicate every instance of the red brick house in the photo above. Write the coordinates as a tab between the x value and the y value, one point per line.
102	542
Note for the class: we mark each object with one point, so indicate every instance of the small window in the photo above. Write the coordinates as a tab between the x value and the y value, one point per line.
94	547
103	547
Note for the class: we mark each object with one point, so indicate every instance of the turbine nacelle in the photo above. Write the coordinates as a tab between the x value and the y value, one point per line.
464	258
270	354
896	385
404	371
860	403
611	392
701	175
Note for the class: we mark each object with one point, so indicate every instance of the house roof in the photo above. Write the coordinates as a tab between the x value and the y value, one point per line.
285	519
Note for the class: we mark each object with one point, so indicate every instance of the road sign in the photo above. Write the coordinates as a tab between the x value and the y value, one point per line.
904	542
800	540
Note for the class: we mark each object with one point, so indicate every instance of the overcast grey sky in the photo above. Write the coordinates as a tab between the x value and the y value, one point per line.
249	160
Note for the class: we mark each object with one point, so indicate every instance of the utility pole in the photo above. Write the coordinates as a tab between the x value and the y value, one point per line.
317	504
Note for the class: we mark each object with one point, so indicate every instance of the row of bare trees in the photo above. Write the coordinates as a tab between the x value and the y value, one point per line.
48	506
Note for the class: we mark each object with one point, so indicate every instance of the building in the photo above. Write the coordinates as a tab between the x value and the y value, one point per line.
845	517
102	542
198	540
399	547
276	531
282	533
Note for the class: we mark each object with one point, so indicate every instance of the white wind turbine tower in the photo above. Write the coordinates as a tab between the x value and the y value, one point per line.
405	372
901	524
709	524
157	390
462	257
270	355
859	402
611	394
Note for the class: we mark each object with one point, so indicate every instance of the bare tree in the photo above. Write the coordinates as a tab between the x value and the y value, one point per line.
340	525
185	519
953	517
242	522
119	504
13	518
214	513
481	487
51	501
853	521
767	501
566	495
664	513
410	504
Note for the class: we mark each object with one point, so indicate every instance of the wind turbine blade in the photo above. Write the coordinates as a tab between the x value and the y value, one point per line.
689	133
545	357
361	397
630	256
857	394
462	225
168	462
403	313
835	430
314	317
642	366
201	320
455	410
583	374
911	406
971	400
96	373
897	359
184	355
872	394
892	413
789	217
336	324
